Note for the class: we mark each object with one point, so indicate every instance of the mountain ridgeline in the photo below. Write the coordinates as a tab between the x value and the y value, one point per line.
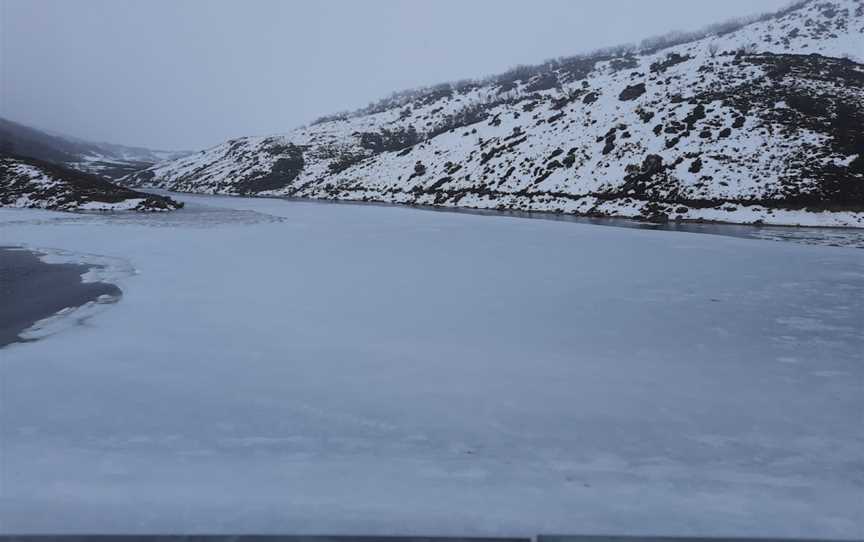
104	159
755	122
49	171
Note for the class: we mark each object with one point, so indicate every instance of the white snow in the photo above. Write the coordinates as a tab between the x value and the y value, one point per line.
36	187
294	367
753	162
37	177
124	205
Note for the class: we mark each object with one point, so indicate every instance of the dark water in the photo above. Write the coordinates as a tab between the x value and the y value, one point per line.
31	290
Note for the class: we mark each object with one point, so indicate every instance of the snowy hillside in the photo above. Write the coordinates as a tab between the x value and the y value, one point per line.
761	122
104	159
31	183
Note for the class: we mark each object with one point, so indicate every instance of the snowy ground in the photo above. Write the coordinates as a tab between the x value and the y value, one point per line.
303	368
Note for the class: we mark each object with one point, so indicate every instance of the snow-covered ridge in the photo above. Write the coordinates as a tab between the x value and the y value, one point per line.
34	184
760	124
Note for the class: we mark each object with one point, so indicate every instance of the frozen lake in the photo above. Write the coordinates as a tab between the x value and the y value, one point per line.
303	368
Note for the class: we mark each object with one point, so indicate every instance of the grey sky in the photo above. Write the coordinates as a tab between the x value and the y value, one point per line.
190	73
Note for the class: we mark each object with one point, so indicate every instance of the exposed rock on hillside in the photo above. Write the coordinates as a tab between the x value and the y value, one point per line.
31	183
761	122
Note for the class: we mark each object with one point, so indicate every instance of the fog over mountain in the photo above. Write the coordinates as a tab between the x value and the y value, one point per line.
188	74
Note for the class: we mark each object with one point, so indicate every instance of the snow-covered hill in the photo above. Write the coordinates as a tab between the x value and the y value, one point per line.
761	122
31	183
104	159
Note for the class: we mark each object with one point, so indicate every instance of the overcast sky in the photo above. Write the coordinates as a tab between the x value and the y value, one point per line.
187	74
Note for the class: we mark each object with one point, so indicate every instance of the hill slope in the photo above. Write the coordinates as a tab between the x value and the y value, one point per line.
760	123
25	182
105	159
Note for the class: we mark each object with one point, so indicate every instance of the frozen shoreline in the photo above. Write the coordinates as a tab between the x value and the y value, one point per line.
839	236
34	290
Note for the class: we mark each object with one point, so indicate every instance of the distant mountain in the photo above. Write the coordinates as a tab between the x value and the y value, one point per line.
748	121
108	160
26	182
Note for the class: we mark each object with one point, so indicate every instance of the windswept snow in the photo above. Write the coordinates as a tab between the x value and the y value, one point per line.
292	367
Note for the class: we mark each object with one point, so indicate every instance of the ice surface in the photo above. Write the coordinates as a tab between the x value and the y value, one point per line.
296	367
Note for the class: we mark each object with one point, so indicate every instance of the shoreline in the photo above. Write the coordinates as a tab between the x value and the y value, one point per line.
601	220
33	290
775	232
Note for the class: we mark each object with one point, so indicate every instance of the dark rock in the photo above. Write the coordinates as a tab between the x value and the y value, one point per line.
610	142
696	166
632	92
590	98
